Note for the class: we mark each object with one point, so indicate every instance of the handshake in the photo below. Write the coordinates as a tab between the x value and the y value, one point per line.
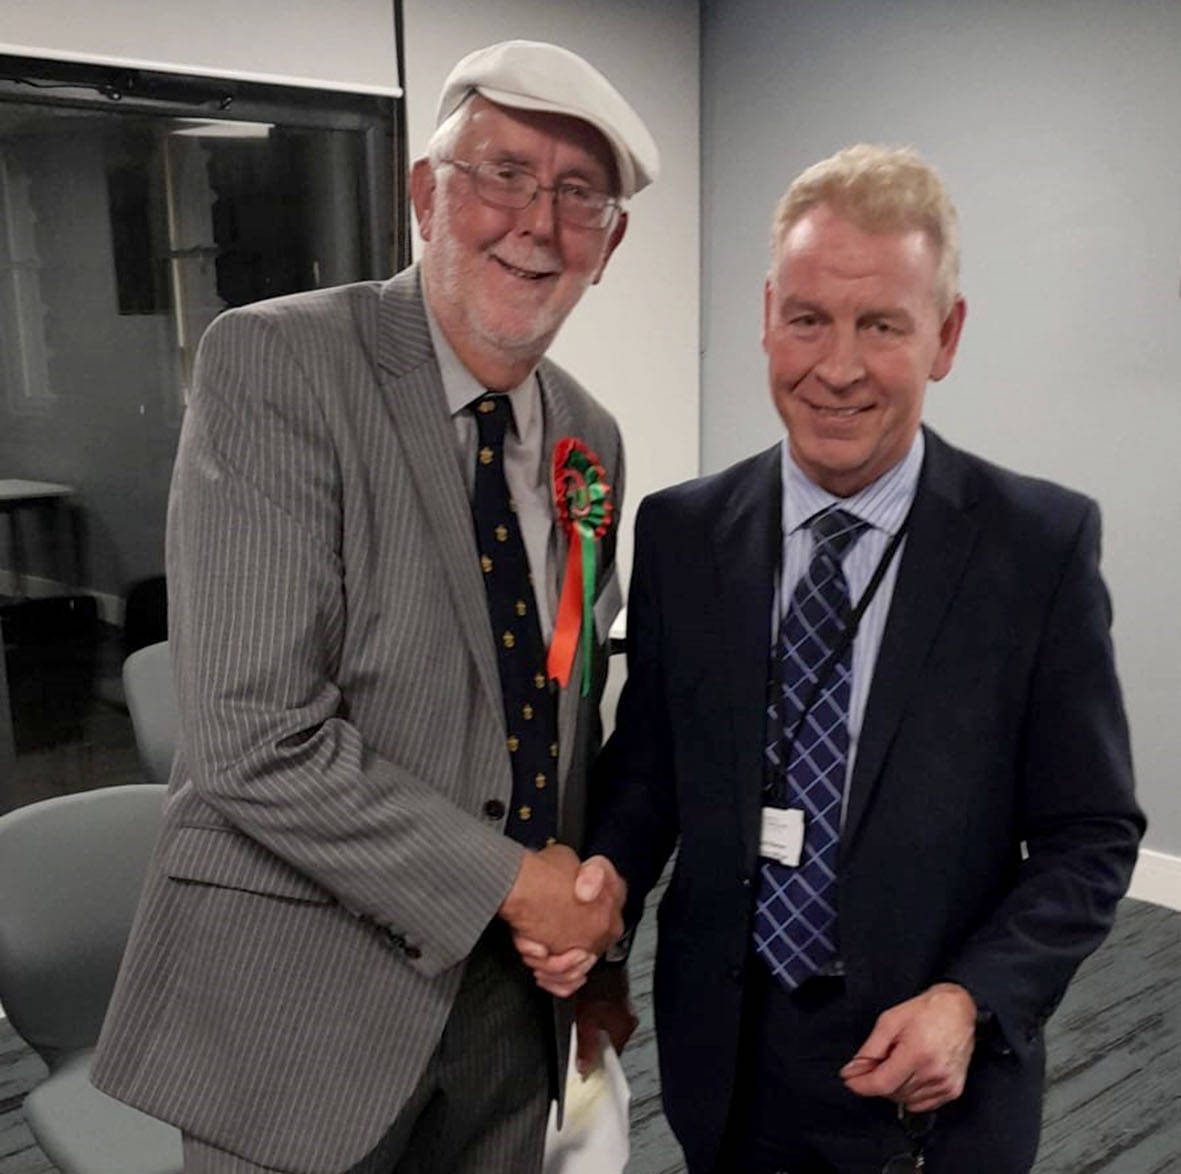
563	915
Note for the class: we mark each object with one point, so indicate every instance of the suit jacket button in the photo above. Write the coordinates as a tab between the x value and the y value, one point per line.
413	952
745	882
736	973
494	809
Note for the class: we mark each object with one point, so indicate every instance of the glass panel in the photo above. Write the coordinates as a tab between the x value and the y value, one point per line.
123	234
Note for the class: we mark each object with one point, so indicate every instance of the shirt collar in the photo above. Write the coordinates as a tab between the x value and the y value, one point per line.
461	387
883	503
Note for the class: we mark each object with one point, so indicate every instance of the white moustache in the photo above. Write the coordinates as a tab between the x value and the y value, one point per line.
537	261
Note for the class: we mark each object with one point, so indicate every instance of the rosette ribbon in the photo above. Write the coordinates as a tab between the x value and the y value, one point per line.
583	508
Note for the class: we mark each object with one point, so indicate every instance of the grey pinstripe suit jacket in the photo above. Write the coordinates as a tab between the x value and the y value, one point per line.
325	865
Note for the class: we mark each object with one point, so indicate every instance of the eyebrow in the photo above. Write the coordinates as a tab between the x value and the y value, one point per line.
505	155
896	314
508	155
789	304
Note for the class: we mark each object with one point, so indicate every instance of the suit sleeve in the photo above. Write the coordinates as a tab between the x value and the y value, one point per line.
1080	821
633	810
256	576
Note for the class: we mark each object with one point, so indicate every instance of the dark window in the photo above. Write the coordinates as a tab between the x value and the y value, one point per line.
134	208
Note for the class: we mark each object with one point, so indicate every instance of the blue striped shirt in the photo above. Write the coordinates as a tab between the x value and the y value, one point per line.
883	504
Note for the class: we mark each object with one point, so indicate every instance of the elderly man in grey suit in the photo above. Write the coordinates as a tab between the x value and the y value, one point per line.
390	557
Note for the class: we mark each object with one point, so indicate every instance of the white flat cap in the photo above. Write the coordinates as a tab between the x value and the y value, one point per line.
533	75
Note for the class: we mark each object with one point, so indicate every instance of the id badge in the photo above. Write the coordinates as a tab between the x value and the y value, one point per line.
782	836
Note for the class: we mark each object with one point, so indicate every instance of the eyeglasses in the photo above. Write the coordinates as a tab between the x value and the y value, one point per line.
917	1127
505	185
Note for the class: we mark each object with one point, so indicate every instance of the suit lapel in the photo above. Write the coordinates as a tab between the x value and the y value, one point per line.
418	411
746	546
941	536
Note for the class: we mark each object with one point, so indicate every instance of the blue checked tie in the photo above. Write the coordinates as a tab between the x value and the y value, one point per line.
796	911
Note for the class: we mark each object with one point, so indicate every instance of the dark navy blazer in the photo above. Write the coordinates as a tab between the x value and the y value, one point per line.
994	721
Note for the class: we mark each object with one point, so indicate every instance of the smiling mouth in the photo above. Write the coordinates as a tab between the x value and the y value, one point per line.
524	274
839	413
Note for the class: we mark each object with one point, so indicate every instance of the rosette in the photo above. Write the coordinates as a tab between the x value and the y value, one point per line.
583	509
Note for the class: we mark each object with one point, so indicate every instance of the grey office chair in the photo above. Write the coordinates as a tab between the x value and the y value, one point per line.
151	701
70	873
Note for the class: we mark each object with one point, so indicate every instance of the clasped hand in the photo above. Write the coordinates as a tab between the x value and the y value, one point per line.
563	915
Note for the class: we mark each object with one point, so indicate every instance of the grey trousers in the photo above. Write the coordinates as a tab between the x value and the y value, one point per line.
482	1102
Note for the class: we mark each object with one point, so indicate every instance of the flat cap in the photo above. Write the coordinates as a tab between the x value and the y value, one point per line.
534	75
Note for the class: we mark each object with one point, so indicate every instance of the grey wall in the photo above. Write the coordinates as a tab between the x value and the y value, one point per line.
1058	129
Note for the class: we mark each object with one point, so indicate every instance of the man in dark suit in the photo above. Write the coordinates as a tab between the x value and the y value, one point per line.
871	691
381	772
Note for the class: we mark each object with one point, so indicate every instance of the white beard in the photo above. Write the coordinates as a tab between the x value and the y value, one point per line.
528	336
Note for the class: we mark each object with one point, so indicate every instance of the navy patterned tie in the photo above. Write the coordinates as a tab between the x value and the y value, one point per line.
530	707
796	910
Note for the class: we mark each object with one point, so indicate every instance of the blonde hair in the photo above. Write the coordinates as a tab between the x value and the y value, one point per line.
878	189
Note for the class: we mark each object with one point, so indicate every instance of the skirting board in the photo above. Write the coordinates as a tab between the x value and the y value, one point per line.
1157	879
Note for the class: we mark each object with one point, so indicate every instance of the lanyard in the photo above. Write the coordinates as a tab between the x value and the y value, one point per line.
852	620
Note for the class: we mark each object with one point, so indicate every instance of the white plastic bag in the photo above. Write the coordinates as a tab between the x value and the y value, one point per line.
593	1137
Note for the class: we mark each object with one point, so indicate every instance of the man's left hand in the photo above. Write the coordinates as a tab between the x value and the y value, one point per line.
603	1008
918	1052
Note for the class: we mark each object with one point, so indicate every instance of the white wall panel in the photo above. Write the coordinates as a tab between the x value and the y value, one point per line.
1056	128
345	44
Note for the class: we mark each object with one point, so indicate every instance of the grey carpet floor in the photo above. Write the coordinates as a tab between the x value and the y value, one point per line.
1113	1097
1113	1086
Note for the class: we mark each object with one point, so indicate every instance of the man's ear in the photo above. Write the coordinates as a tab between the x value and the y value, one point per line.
422	195
617	231
949	338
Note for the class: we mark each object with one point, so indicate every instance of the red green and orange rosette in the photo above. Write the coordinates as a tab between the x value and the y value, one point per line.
583	508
